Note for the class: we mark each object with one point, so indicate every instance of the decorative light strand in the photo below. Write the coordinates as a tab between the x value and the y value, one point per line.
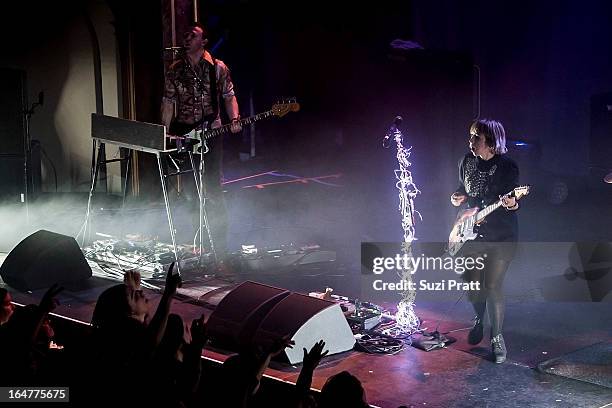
407	321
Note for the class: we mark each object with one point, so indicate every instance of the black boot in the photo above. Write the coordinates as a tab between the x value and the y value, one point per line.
499	348
475	335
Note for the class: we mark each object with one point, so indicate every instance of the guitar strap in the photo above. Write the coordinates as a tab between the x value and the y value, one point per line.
487	178
490	174
214	96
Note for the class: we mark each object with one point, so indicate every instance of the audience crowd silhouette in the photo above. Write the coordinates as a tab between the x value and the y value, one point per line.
141	357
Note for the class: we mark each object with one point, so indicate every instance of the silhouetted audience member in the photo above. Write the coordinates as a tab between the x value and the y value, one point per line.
6	306
25	341
310	361
177	362
343	390
124	339
242	372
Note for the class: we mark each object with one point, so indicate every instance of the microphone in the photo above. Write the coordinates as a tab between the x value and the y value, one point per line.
396	122
175	49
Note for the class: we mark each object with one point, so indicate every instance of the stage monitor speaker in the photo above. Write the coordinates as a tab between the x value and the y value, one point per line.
43	259
240	312
307	320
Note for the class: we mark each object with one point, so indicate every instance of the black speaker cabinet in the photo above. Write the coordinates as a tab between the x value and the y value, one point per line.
306	320
43	259
240	312
254	312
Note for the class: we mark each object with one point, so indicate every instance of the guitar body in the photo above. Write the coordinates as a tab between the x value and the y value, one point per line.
182	129
197	135
188	135
466	226
465	229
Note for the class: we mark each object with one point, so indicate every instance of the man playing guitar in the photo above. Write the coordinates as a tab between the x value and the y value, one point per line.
195	85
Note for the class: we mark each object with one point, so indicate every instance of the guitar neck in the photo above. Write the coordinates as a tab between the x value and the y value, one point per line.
246	121
487	210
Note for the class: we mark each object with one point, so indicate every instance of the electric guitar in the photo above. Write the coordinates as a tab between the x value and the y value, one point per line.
192	136
466	225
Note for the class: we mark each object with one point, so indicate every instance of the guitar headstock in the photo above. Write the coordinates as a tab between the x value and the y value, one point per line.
280	109
521	191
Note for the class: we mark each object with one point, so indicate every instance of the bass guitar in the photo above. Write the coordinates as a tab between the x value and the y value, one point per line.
194	134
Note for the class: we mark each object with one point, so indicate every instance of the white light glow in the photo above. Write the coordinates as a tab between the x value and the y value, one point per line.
406	319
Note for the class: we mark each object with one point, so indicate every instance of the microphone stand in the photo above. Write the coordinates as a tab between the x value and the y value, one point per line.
202	196
27	152
203	218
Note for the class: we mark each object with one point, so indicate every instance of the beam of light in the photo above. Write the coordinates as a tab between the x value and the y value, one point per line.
520	143
272	172
303	180
295	179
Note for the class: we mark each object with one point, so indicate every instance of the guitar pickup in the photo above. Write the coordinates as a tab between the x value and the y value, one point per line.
186	144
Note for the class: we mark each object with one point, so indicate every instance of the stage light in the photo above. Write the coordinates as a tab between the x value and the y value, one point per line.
520	144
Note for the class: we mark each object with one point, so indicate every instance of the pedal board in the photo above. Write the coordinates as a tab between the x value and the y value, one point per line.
360	315
265	259
149	257
364	319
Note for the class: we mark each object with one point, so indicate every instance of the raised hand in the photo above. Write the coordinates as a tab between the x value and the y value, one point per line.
173	280
48	303
313	357
280	344
198	332
132	279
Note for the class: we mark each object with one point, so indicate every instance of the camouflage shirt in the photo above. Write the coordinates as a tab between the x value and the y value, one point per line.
188	88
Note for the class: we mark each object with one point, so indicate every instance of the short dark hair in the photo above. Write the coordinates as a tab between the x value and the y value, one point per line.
493	132
201	27
112	305
342	389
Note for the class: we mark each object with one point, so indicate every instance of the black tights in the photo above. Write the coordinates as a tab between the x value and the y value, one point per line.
490	296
